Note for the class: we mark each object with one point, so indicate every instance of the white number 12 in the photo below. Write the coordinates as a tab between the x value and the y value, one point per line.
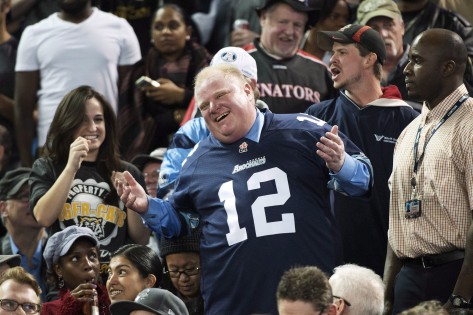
258	208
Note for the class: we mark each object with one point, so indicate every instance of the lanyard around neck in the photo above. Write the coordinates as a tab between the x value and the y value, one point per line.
450	112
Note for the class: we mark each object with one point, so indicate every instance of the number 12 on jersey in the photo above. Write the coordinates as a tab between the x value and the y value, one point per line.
238	234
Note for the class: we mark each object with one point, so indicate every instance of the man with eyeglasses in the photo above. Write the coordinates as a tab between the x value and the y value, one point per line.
357	290
25	236
19	289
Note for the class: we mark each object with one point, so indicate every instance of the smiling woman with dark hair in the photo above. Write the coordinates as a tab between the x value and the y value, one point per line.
71	183
133	268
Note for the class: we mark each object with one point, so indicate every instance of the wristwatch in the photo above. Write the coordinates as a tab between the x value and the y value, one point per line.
459	301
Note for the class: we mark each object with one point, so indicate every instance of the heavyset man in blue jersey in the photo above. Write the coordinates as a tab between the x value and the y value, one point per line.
259	184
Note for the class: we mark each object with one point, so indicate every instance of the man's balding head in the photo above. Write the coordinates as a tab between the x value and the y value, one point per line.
437	63
446	45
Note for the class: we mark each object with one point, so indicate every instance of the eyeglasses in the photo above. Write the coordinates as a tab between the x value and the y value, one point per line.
188	272
340	298
12	305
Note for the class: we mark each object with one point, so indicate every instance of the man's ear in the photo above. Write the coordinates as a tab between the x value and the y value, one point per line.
371	59
262	18
248	89
336	309
339	307
448	68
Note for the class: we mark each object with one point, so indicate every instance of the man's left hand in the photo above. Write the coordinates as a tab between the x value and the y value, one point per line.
332	150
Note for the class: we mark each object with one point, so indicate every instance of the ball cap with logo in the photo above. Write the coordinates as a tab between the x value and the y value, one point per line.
369	9
154	300
239	58
354	34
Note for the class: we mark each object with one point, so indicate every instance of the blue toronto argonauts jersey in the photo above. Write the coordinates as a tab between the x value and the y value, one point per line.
264	208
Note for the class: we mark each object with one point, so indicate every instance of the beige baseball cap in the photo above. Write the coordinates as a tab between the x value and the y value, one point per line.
369	9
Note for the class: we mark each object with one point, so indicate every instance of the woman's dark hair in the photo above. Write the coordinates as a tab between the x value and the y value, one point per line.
325	8
145	259
69	117
185	17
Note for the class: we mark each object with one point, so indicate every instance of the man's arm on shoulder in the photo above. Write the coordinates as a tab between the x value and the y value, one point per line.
26	88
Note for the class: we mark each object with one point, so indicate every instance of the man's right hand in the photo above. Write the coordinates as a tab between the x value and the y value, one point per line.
131	193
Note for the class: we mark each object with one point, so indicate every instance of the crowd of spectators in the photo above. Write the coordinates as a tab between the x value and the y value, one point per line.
103	104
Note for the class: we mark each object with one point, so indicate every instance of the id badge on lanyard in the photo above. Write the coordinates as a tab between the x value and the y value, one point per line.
413	206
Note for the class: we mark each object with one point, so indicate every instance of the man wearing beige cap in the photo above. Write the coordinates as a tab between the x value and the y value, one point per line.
384	16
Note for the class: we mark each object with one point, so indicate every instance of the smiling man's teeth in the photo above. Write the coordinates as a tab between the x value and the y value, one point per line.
219	118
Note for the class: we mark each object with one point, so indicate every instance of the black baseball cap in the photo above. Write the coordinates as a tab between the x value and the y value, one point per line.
351	34
298	5
153	300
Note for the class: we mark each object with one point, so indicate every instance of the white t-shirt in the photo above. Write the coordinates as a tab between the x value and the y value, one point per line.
68	55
